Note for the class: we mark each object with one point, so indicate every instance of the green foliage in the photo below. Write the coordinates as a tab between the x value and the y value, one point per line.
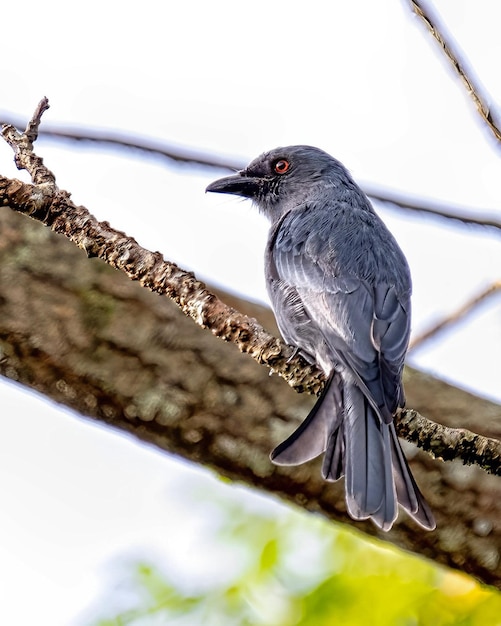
295	569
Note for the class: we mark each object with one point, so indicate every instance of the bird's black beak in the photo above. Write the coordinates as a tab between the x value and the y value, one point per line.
238	184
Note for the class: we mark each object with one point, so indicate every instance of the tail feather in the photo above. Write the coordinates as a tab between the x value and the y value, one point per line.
389	509
408	494
311	438
370	491
333	464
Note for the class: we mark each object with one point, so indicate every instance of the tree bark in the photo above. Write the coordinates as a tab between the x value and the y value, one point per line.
83	334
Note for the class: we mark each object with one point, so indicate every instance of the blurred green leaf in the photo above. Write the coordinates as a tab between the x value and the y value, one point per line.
296	569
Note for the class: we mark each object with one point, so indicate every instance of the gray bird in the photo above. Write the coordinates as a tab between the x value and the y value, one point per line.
340	288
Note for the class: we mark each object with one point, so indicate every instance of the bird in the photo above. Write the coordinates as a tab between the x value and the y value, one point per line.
340	287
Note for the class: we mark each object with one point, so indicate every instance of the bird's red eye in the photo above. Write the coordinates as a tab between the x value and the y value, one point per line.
281	166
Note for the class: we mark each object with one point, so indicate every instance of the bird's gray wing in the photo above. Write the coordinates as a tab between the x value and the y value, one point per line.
319	431
368	328
293	320
359	326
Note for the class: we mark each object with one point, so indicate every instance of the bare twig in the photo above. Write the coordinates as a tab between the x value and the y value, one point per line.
32	127
447	321
22	144
460	65
464	215
53	207
128	141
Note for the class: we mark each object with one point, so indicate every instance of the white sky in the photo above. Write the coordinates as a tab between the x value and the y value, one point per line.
360	80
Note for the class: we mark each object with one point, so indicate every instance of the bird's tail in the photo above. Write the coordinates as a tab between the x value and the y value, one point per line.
359	446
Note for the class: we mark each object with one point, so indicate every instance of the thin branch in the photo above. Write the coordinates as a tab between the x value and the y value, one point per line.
460	313
176	154
33	125
459	64
182	156
53	207
438	210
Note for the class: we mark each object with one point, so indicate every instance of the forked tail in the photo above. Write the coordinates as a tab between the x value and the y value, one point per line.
361	447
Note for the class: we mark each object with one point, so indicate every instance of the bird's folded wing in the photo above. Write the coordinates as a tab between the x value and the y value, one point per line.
366	326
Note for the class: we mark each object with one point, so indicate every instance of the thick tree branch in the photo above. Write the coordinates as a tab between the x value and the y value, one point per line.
88	337
54	208
208	311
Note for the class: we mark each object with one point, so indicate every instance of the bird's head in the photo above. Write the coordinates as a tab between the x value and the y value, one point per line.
283	178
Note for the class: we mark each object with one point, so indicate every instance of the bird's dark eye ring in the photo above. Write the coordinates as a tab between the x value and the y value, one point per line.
281	166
